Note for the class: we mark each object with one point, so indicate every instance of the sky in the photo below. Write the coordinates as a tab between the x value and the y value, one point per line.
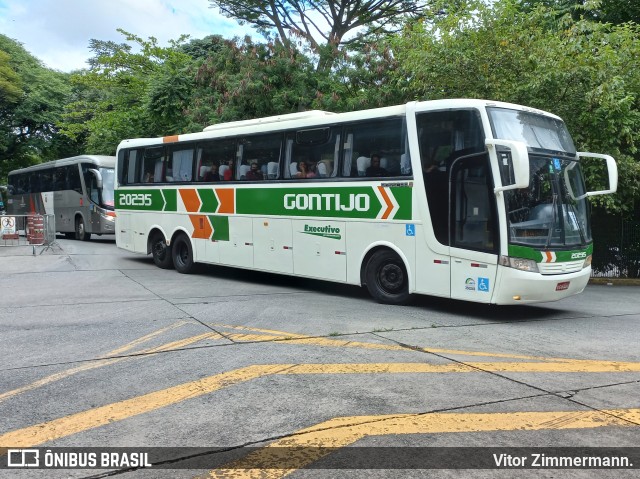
57	32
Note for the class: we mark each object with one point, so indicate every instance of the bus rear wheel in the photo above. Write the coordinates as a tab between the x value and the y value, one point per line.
182	255
81	230
161	252
386	278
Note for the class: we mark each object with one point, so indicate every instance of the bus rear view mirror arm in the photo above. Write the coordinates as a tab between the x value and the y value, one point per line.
519	160
612	169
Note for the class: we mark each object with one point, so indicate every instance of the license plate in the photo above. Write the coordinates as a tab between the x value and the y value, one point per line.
563	286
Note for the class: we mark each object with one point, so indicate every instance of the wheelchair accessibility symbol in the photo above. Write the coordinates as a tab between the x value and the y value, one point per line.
410	230
483	284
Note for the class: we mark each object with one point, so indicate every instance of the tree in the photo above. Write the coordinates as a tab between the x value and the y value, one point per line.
127	93
604	11
326	25
242	79
31	104
585	71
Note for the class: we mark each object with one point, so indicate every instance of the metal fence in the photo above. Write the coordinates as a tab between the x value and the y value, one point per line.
27	230
616	246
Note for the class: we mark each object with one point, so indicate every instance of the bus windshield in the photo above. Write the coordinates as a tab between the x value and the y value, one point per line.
108	181
539	132
553	211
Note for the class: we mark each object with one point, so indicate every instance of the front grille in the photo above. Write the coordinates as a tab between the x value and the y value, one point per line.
560	268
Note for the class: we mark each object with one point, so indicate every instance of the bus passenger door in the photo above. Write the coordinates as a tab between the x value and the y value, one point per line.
473	229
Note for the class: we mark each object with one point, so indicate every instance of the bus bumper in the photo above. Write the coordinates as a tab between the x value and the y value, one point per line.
519	287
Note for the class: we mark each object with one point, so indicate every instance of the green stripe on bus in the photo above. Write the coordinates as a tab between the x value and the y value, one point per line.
323	202
527	252
209	201
403	197
220	228
147	200
171	200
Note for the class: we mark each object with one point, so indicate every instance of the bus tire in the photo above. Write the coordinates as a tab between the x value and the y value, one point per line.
182	254
386	278
161	253
81	230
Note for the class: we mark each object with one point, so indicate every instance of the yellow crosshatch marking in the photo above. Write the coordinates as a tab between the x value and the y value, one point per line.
358	426
100	416
314	443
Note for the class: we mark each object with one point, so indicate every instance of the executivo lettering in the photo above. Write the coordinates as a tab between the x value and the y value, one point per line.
327	202
324	231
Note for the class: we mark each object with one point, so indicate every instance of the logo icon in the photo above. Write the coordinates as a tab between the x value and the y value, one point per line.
23	458
470	284
323	231
410	230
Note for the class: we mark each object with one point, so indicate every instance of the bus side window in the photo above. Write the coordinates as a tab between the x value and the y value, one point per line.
384	138
180	167
153	165
73	179
261	150
313	153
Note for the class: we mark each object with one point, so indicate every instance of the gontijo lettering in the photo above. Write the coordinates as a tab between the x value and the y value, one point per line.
326	202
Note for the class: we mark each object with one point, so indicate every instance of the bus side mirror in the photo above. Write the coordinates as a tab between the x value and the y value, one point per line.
518	157
612	169
98	177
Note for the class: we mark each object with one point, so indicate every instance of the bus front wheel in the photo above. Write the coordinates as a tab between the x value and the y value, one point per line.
161	252
182	255
81	230
386	278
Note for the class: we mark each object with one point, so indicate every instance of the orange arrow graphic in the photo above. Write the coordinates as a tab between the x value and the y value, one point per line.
191	200
387	201
227	200
201	227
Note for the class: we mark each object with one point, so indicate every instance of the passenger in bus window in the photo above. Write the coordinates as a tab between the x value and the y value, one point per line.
254	173
375	170
212	175
227	174
304	171
148	177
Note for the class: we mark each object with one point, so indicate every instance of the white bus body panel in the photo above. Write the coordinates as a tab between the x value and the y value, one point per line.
273	245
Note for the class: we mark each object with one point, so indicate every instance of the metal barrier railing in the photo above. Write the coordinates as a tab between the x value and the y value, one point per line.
27	230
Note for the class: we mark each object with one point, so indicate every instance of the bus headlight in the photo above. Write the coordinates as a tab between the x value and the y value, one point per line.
587	261
109	215
519	263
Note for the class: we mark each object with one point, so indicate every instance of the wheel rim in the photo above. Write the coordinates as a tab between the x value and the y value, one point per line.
81	227
391	278
183	254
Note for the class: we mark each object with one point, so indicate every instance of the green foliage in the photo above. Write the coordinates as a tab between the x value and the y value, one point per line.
10	85
131	89
603	11
242	79
325	26
361	79
586	72
31	104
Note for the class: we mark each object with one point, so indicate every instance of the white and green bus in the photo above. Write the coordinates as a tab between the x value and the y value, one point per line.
467	199
77	191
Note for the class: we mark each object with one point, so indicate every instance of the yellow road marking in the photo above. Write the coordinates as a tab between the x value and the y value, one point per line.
144	339
103	415
311	444
100	416
103	361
